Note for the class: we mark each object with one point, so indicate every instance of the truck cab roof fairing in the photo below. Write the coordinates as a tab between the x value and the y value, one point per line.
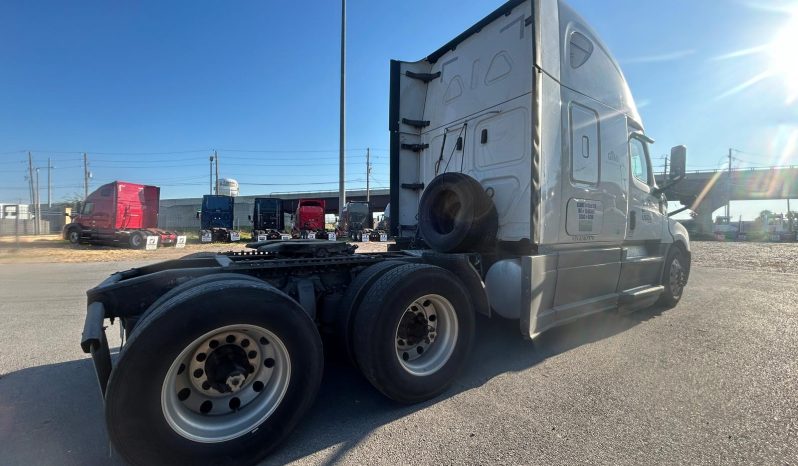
584	57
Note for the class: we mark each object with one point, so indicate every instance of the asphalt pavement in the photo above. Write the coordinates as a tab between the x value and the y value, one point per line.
714	380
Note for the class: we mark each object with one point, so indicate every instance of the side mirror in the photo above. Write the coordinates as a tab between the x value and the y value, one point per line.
677	169
249	217
198	214
678	162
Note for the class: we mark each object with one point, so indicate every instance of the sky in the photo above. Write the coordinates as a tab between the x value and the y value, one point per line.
149	89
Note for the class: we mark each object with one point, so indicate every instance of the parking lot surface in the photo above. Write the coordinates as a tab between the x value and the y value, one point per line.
714	380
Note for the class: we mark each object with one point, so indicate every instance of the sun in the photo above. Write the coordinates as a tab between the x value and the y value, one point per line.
783	53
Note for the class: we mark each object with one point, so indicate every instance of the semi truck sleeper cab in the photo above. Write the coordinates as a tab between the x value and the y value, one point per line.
521	185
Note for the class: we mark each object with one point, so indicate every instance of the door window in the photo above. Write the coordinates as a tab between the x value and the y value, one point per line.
639	156
87	208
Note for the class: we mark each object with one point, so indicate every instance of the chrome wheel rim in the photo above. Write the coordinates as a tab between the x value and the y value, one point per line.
73	236
136	240
426	335
676	278
225	383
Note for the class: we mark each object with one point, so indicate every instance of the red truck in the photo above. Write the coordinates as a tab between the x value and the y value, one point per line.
309	217
119	213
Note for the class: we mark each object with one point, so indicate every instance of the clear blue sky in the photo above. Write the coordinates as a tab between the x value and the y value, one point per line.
116	78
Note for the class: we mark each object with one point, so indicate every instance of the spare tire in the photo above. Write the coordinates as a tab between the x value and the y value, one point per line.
456	215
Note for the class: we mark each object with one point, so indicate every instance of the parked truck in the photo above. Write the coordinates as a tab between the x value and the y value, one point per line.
119	213
355	221
521	187
268	219
217	219
309	218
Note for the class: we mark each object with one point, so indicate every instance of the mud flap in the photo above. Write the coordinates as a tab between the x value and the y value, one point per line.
93	341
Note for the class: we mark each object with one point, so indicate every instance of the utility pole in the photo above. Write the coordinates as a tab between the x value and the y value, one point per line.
216	156
30	180
342	129
665	173
38	212
85	177
729	187
368	174
49	184
210	177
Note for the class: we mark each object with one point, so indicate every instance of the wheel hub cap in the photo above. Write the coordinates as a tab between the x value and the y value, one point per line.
225	383
426	335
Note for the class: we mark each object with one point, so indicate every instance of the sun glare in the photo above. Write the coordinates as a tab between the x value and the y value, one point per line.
783	52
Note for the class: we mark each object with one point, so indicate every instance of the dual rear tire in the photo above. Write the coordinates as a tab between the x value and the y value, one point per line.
220	370
217	372
413	331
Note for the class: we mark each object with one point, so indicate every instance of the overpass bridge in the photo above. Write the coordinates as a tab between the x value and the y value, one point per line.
706	191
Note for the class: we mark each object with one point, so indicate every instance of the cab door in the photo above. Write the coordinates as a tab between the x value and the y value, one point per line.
103	215
645	211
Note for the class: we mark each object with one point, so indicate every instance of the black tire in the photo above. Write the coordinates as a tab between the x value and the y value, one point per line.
674	276
377	322
456	215
194	282
347	308
135	418
73	235
137	241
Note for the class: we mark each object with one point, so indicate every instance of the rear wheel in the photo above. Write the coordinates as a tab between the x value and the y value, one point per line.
219	373
136	240
413	332
355	292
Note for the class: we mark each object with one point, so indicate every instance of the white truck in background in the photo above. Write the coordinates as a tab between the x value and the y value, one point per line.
521	185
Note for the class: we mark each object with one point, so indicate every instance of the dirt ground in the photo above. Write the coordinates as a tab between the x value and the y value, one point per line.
772	257
51	248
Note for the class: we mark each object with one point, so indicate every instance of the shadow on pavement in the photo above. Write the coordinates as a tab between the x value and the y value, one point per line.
348	408
53	414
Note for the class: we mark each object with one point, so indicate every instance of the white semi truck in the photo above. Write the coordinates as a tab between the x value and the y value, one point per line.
521	185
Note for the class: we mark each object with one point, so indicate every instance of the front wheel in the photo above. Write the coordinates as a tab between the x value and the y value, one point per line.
218	373
73	235
413	332
674	276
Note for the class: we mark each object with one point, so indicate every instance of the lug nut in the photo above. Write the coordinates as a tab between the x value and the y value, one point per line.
206	406
183	394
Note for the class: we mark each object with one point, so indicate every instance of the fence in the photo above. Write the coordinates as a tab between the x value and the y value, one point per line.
12	226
